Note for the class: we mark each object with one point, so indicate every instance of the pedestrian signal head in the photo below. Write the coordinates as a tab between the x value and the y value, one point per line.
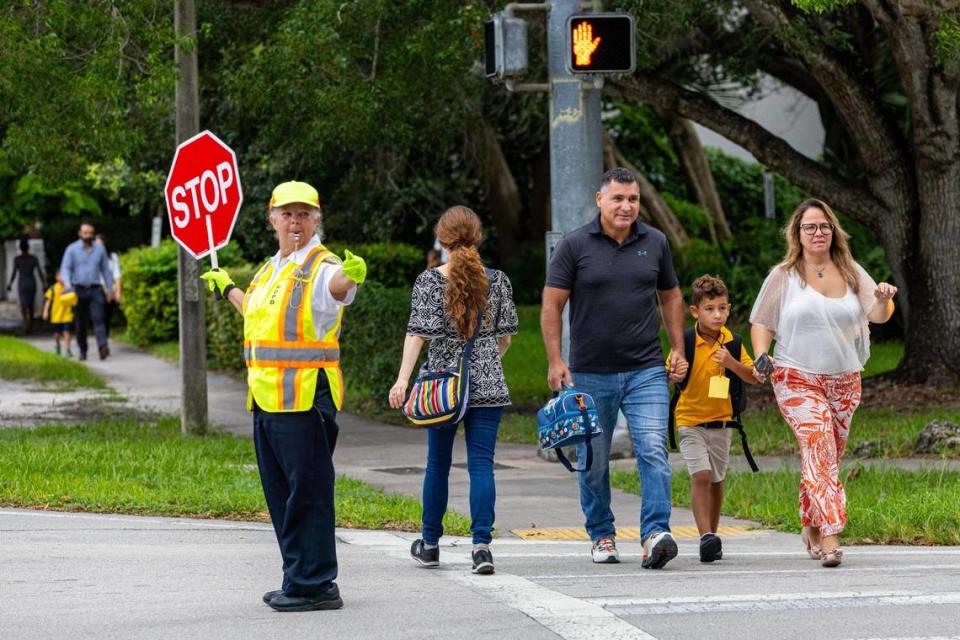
600	43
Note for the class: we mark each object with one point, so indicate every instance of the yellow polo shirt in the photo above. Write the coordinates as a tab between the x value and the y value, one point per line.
695	406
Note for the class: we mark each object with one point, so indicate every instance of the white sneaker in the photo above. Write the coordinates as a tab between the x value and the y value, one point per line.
658	550
605	551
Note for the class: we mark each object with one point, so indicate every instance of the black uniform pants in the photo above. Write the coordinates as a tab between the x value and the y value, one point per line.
295	457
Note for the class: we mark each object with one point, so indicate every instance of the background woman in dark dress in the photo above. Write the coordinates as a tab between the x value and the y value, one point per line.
25	264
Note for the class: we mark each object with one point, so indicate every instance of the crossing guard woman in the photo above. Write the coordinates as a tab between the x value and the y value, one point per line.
292	313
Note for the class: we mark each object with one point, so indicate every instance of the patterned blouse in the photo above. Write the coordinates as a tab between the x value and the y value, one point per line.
428	320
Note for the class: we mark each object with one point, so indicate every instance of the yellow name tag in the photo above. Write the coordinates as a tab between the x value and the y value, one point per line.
719	387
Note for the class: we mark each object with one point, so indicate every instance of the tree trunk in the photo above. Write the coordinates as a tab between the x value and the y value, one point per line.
930	271
503	196
653	208
699	176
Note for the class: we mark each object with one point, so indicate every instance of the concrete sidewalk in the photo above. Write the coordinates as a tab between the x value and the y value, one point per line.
530	491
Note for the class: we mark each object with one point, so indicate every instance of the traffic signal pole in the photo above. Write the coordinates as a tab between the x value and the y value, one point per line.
193	335
576	140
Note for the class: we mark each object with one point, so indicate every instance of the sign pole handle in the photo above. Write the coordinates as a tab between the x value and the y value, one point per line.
214	263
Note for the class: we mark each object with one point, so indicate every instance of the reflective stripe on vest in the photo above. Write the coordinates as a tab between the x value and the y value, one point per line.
281	347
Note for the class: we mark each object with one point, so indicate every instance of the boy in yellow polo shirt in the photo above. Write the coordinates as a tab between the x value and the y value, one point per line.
704	411
58	309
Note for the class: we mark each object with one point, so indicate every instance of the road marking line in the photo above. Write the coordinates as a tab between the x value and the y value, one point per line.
566	616
717	572
914	638
773	602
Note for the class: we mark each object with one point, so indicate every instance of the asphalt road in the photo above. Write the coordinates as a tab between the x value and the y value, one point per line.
101	576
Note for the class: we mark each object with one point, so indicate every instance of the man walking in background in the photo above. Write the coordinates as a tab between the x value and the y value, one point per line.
84	264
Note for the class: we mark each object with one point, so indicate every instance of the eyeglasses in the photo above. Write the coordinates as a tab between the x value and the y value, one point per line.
826	228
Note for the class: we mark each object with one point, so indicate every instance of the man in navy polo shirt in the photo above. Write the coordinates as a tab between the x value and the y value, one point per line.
614	271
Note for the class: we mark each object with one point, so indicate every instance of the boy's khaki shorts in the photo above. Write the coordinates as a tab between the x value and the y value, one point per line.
706	450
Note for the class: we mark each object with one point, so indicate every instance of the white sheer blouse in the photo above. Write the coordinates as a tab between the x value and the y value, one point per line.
814	333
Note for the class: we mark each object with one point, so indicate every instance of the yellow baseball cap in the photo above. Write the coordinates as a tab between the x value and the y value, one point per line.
290	192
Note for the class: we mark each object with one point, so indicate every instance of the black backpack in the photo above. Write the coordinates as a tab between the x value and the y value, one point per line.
738	393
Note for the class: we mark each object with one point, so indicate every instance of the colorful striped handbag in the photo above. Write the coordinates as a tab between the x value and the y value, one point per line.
441	397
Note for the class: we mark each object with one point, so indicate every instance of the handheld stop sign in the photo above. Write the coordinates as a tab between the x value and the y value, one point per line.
203	195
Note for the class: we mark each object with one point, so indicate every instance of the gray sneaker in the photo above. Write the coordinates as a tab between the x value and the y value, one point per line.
604	551
658	550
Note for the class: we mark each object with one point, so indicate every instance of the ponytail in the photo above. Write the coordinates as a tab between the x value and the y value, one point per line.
458	230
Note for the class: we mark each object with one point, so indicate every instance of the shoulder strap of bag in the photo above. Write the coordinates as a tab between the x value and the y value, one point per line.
689	349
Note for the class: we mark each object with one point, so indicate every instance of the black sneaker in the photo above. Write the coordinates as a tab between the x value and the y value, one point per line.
426	557
482	561
711	547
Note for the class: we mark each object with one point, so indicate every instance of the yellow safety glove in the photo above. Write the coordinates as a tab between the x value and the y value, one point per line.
354	267
220	281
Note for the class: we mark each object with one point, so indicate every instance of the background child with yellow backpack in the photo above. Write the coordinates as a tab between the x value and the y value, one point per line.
58	309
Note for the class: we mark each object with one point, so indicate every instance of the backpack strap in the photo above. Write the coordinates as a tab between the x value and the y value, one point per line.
735	347
689	349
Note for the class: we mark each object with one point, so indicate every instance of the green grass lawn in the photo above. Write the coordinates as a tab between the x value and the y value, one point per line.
894	431
884	506
525	364
151	469
22	361
525	367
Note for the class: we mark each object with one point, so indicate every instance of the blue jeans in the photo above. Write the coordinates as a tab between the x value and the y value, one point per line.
480	427
642	396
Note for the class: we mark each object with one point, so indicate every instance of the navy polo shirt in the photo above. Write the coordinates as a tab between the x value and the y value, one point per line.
614	319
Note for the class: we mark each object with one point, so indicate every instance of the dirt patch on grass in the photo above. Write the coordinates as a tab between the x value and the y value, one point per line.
31	404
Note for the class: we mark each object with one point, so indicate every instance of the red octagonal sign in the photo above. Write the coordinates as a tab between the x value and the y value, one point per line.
203	194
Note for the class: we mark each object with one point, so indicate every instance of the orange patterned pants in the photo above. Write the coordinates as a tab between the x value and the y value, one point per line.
819	409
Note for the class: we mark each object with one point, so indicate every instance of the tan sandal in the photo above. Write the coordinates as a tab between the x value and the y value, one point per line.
812	550
832	558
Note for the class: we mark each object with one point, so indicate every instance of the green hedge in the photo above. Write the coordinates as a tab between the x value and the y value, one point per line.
150	293
372	338
392	264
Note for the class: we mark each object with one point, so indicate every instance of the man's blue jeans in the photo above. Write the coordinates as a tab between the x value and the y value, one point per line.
480	427
643	397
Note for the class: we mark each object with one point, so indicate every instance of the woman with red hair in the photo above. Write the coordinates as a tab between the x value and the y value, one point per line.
445	306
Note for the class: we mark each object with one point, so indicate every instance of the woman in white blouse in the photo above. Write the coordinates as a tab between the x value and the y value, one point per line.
816	303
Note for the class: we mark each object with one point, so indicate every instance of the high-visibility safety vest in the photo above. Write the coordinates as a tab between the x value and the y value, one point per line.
283	352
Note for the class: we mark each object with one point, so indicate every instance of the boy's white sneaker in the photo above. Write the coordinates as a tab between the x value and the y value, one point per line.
658	550
605	551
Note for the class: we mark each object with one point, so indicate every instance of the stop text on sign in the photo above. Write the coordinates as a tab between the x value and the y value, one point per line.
212	188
